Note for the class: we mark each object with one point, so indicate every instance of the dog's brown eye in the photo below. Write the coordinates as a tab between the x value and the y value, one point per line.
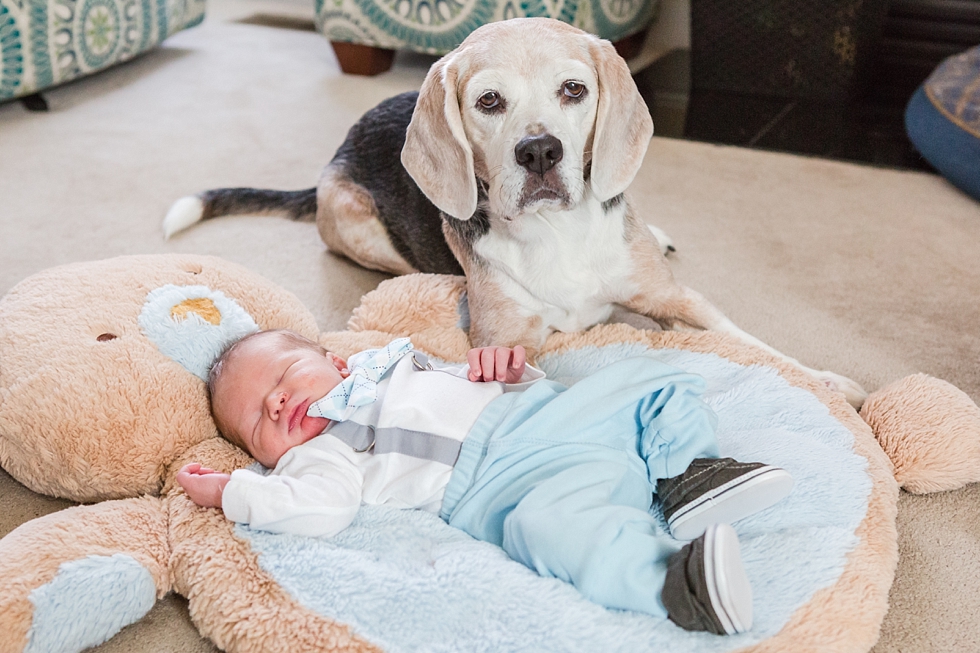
573	90
489	100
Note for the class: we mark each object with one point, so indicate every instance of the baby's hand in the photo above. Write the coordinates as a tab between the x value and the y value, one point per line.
203	485
497	363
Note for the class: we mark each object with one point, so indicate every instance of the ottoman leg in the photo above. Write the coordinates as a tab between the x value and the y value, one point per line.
34	102
357	59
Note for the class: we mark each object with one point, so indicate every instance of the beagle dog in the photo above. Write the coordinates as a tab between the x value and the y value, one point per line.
509	166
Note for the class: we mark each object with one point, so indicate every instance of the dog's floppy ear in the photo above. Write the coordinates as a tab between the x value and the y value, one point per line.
437	153
623	125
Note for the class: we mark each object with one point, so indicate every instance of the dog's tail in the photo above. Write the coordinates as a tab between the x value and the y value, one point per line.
297	205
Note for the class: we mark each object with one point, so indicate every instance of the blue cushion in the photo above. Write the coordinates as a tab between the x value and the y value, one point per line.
943	120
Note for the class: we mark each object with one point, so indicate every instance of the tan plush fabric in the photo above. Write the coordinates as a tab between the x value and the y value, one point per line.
931	431
869	272
432	305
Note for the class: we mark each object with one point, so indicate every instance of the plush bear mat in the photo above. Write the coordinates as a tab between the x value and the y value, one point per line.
821	561
408	582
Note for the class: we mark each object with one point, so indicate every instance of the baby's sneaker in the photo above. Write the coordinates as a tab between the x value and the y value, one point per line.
706	587
719	490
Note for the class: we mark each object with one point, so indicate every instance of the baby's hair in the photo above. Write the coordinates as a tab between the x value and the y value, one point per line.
214	375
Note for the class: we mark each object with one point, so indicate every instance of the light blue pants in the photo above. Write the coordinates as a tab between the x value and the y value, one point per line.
563	478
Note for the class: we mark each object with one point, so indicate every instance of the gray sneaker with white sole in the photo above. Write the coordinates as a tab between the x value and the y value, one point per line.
719	491
706	587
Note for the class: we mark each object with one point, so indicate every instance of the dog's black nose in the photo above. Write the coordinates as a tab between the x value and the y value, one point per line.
539	153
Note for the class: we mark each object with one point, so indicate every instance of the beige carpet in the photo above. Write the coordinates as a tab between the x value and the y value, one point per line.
872	273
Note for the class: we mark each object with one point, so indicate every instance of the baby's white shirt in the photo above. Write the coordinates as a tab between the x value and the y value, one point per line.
317	488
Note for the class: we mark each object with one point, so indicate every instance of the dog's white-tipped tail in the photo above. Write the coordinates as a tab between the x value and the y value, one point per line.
185	212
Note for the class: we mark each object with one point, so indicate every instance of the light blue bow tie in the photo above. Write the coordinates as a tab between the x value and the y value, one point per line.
361	387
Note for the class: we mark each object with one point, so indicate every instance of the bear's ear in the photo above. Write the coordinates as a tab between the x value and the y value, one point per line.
429	308
930	430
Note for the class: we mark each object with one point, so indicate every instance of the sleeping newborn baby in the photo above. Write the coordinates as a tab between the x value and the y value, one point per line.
563	478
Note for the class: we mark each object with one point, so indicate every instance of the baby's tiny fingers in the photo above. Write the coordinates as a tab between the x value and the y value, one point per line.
502	360
473	358
519	359
486	364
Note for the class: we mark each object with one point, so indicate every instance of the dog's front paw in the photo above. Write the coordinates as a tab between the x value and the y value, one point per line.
851	390
666	242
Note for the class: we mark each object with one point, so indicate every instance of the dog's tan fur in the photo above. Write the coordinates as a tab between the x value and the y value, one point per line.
347	220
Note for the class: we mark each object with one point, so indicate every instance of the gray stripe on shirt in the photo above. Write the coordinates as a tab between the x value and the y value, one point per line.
417	444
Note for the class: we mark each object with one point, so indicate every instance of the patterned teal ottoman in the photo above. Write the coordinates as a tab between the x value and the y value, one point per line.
438	26
49	42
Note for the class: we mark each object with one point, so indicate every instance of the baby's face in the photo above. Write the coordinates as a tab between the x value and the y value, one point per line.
264	392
